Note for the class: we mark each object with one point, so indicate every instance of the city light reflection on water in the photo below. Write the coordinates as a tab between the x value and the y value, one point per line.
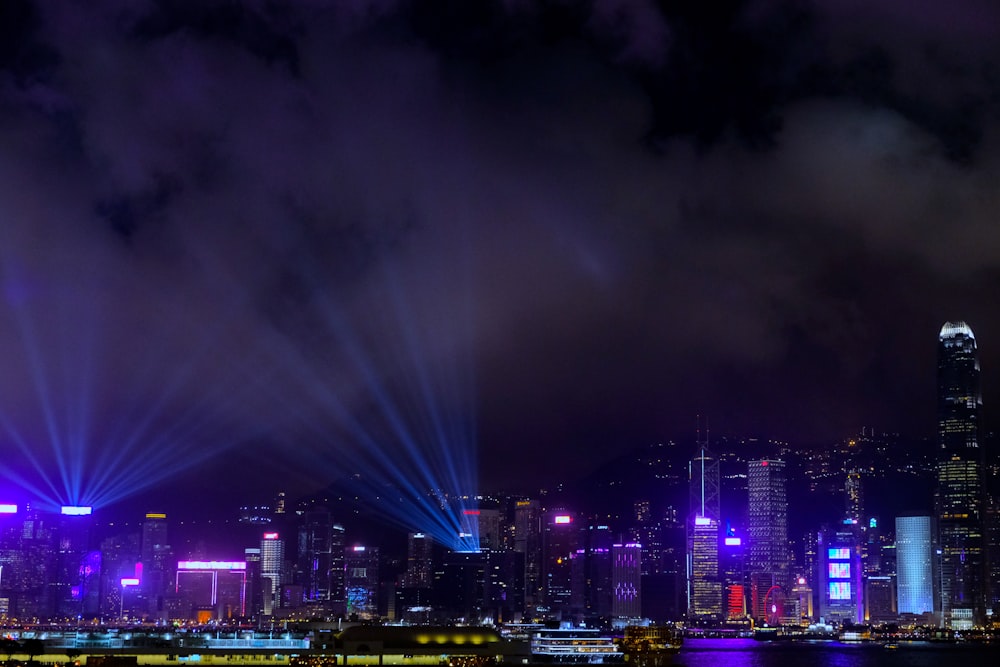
751	653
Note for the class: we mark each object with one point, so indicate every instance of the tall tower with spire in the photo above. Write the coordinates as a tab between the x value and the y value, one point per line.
704	513
959	493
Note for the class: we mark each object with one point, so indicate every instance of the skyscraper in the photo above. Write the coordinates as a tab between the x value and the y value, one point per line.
419	561
704	585
959	494
560	541
361	580
767	532
156	557
914	565
626	602
272	558
315	556
840	574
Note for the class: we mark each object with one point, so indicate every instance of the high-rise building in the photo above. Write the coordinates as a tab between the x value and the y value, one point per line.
361	580
733	573
419	561
626	602
210	590
841	592
338	590
767	533
914	565
255	589
315	557
528	541
156	558
704	585
272	560
594	572
959	494
560	541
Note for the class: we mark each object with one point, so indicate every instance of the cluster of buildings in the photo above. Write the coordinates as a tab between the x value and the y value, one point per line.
934	567
724	558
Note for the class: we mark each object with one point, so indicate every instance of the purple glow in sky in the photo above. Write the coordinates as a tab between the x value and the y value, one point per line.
602	218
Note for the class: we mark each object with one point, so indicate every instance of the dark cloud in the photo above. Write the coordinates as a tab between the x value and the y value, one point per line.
617	215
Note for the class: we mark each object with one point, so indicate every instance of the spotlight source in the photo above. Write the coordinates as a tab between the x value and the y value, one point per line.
76	510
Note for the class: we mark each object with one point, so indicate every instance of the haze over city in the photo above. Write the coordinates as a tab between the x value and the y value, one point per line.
272	239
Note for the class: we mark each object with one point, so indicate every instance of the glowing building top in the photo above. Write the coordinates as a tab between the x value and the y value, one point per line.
959	399
956	330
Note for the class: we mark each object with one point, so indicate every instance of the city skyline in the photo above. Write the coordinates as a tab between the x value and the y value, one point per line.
414	243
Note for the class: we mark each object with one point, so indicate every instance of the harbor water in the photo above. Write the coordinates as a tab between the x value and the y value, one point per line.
752	653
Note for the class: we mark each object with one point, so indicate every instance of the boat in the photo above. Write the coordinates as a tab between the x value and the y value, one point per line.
574	646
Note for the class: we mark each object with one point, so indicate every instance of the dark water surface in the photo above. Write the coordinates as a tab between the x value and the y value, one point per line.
751	653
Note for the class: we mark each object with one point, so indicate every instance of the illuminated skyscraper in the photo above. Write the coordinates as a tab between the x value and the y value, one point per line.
914	565
419	561
840	574
210	590
272	559
959	495
313	567
560	541
626	602
704	584
156	558
361	580
767	533
732	572
528	541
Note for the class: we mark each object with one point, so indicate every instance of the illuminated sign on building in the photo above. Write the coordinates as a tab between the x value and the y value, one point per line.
840	590
359	548
839	570
839	553
8	509
470	512
270	536
563	518
76	510
129	581
211	565
733	541
156	515
702	521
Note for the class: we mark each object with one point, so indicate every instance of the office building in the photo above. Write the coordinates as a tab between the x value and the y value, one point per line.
156	558
528	542
210	590
914	565
626	601
560	541
733	573
767	534
841	591
704	584
959	494
315	557
361	581
272	563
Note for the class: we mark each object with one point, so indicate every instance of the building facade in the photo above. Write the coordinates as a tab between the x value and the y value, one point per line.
767	534
960	492
915	565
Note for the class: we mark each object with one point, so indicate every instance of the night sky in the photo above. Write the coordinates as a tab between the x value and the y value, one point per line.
236	239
